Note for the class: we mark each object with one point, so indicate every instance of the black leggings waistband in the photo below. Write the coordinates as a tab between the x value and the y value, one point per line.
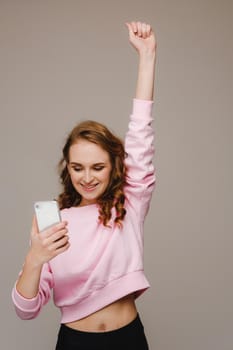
131	336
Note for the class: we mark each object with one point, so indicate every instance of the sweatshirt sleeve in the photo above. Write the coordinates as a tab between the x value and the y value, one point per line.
139	149
28	309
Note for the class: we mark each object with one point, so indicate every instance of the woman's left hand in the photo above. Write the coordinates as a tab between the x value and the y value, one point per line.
141	37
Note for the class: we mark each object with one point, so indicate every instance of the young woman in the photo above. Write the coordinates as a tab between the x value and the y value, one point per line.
93	259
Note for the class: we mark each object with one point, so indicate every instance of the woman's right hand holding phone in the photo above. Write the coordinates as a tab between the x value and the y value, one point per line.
45	246
49	243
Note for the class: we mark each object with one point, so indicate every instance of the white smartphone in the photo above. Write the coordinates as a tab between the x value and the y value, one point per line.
47	214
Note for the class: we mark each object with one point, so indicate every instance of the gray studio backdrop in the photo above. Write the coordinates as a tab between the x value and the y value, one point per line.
65	61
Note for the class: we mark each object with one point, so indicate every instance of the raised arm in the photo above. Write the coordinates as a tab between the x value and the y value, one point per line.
140	136
142	38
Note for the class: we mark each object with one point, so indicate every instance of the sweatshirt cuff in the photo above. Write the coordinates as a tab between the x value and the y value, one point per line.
142	108
24	303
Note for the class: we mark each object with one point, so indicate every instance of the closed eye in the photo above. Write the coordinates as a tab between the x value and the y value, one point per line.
76	168
98	168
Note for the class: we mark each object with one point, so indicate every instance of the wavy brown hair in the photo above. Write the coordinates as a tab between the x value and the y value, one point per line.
113	196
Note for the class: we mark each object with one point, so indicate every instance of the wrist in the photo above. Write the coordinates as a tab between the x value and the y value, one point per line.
32	261
147	55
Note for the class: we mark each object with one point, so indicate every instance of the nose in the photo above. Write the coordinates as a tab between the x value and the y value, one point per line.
87	177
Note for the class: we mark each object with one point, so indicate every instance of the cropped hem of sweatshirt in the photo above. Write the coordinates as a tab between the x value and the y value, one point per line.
103	264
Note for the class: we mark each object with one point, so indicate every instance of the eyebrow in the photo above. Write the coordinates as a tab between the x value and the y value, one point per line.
100	163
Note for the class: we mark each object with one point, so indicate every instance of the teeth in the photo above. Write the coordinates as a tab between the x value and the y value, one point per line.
89	187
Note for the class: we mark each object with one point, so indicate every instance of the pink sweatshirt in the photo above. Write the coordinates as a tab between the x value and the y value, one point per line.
102	264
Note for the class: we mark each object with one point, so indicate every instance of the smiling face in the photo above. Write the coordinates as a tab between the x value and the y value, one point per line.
90	168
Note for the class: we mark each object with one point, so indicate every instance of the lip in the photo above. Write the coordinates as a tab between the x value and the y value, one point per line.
89	188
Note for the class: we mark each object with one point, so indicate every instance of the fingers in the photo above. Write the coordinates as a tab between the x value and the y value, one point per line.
61	243
49	243
140	29
62	248
49	232
55	240
56	236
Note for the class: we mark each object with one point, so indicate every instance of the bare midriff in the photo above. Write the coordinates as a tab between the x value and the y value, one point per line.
114	316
